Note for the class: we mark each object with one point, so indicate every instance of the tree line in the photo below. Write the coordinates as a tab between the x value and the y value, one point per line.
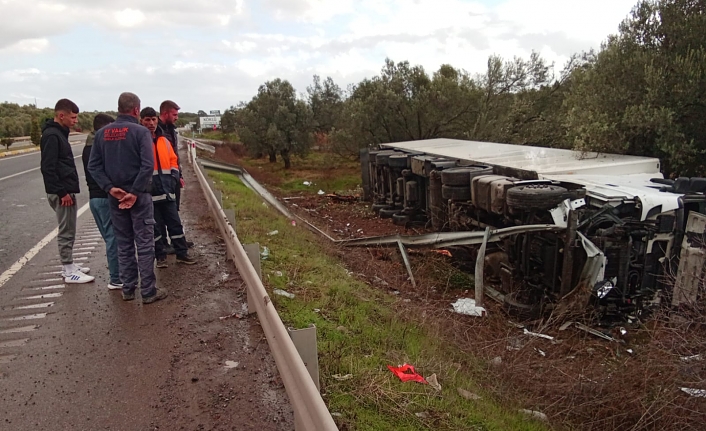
643	92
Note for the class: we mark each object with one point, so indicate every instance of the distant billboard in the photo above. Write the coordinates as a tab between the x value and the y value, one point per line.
215	112
209	122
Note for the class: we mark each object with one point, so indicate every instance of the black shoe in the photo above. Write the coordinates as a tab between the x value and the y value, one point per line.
128	297
170	249
187	260
162	263
159	294
189	244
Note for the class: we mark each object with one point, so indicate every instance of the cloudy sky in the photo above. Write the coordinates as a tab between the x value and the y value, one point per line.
210	54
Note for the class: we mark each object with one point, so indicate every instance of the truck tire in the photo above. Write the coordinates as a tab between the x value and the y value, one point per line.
456	193
461	176
388	213
400	219
535	197
520	310
397	161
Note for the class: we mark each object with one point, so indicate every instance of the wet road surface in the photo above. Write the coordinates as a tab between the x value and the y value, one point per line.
77	357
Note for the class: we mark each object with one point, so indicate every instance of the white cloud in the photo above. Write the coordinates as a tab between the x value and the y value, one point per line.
224	49
27	46
129	17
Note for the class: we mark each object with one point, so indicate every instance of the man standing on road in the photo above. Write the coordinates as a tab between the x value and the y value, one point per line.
165	183
168	115
122	164
100	207
61	185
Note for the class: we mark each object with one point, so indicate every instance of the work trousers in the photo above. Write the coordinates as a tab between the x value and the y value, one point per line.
166	216
134	228
66	216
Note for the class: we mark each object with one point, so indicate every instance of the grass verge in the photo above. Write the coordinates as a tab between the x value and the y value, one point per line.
360	331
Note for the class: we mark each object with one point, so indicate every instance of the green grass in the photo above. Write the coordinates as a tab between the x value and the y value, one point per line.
359	333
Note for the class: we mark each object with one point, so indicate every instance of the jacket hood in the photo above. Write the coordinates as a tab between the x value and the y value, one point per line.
53	124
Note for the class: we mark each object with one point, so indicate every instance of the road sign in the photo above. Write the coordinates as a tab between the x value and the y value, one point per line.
208	122
218	112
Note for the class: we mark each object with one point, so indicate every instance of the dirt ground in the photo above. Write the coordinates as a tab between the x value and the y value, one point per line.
579	380
221	376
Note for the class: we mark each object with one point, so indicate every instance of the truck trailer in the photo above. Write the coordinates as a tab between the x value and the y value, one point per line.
625	239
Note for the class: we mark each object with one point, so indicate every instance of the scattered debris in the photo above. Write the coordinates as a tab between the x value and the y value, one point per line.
406	373
496	361
592	331
422	415
294	222
538	335
265	253
468	395
284	293
515	343
698	393
321	192
231	364
535	414
692	358
540	352
273	233
307	183
443	252
230	316
342	378
278	273
336	414
467	306
631	351
565	326
342	198
433	382
623	331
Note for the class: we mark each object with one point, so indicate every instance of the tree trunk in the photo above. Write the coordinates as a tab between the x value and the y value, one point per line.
285	157
273	156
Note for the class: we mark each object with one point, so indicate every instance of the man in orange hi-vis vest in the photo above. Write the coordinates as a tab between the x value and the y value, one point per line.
165	180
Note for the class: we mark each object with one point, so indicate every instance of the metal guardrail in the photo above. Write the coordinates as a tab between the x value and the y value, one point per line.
310	412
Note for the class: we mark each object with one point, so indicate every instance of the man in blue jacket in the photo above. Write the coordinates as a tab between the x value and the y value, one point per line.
121	163
61	184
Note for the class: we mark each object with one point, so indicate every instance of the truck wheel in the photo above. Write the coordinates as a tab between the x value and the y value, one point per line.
400	219
519	309
397	161
456	193
387	213
461	176
535	197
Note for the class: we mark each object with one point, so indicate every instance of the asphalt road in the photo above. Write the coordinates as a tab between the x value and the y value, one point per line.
78	357
25	215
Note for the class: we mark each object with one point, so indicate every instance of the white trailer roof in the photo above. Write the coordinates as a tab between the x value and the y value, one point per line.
544	161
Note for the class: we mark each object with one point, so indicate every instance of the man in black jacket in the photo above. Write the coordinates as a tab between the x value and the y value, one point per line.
61	185
122	163
100	207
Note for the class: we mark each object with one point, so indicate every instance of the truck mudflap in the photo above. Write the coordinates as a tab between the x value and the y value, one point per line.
692	262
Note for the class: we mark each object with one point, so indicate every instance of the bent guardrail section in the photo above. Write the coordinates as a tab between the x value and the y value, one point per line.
310	412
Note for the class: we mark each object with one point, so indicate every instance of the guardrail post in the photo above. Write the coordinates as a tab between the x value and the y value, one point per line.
253	253
230	213
305	342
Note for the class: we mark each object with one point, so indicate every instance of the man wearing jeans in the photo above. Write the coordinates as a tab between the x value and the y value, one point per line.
100	207
122	164
61	184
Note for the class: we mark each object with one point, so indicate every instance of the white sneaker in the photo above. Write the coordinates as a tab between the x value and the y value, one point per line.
115	286
83	269
78	277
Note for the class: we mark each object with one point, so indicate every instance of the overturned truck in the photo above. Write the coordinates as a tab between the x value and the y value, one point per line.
624	239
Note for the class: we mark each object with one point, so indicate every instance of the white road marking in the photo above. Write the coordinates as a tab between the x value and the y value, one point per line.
7	275
19	329
42	296
24	172
14	343
75	144
29	317
55	286
29	307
